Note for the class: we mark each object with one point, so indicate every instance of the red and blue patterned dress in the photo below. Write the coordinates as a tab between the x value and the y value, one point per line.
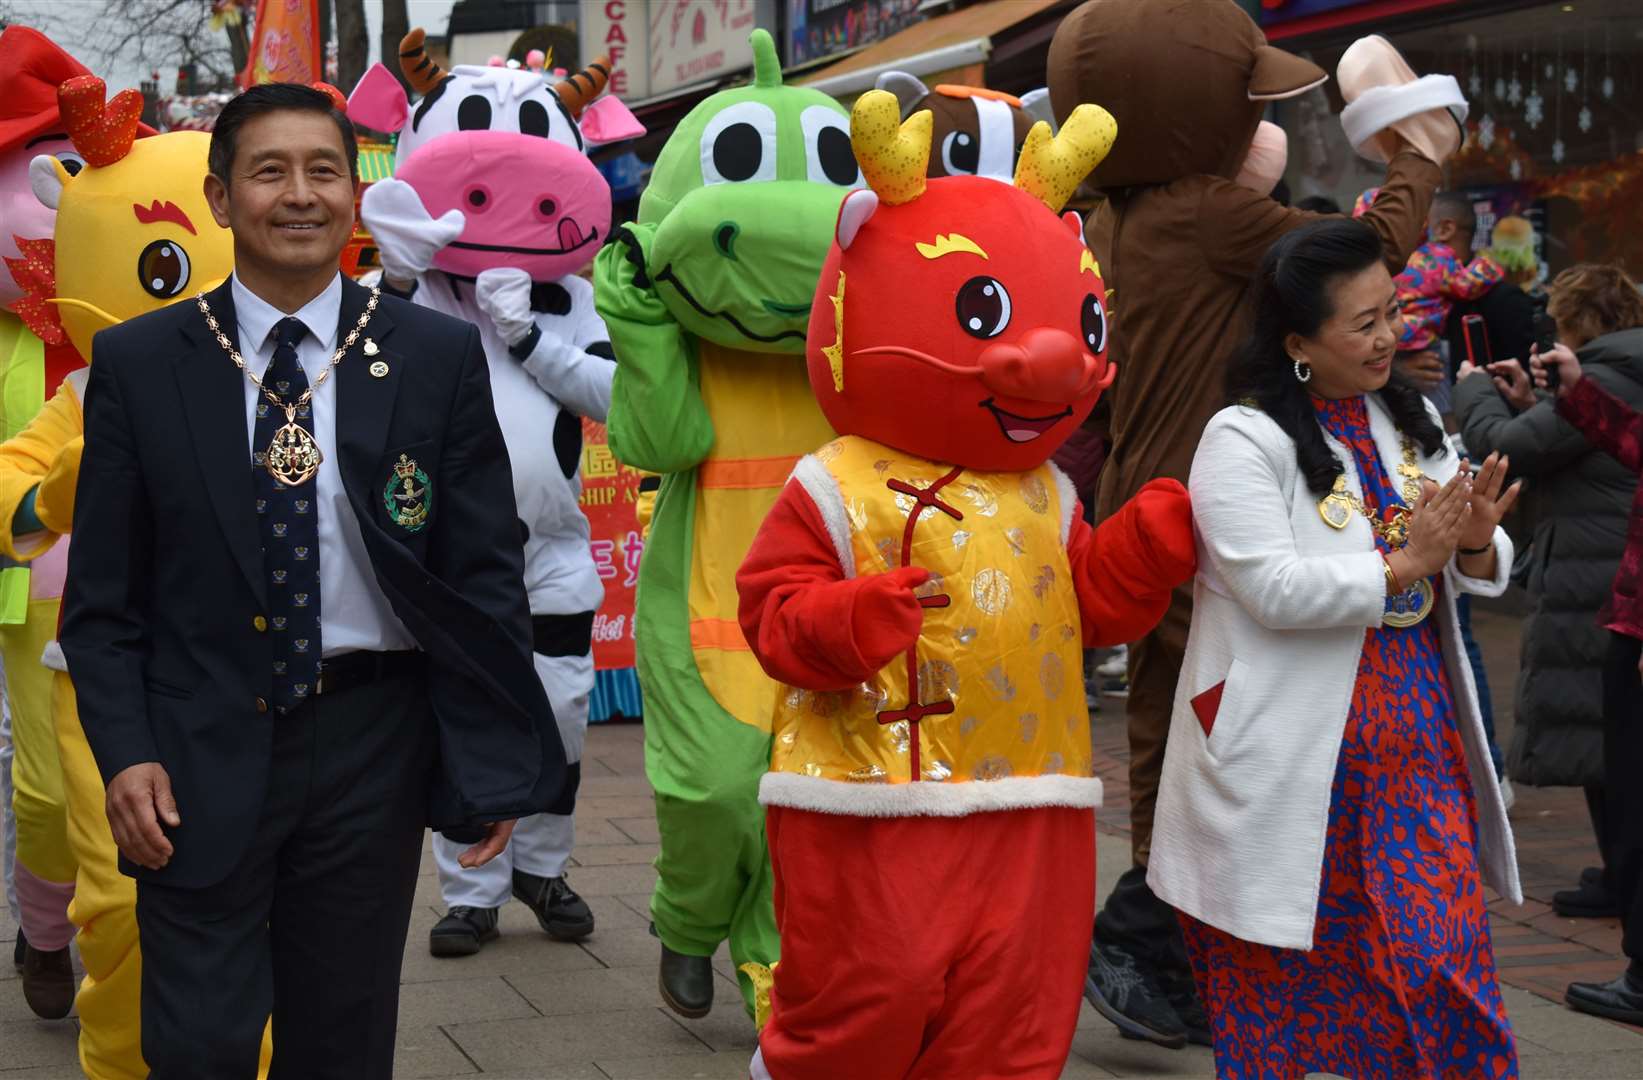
1400	981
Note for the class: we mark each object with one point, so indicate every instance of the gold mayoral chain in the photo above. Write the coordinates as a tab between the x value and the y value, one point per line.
1415	603
293	457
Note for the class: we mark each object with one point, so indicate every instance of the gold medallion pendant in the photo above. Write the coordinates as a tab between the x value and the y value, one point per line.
1336	507
1410	607
294	456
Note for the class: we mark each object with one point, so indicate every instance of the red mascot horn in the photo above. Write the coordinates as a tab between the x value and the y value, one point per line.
101	133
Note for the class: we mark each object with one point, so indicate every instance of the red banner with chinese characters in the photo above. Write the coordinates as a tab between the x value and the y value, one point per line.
284	43
609	494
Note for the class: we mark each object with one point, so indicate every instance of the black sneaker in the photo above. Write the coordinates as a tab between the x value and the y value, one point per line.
1131	997
562	914
463	931
18	951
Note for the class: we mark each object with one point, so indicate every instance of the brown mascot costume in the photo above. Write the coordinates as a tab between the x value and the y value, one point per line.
1178	240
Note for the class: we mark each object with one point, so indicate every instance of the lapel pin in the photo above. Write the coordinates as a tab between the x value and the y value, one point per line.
370	347
379	369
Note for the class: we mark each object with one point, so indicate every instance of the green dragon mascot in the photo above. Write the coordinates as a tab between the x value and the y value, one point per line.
707	299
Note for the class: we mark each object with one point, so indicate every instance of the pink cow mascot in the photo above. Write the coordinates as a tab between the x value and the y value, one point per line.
492	209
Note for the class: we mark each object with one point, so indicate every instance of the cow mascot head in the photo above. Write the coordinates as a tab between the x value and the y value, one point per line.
492	168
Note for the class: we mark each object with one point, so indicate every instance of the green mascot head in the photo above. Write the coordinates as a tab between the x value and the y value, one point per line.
743	199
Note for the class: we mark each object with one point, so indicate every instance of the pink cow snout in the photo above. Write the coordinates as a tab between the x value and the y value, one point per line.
529	202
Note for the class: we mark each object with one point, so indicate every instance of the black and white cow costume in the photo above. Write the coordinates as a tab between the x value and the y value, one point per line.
492	209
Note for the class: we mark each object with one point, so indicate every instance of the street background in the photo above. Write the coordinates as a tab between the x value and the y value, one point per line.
527	1008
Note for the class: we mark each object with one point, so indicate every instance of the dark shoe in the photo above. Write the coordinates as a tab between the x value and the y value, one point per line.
18	950
48	982
1619	1000
562	914
686	982
463	931
1590	901
1591	875
1131	998
1183	998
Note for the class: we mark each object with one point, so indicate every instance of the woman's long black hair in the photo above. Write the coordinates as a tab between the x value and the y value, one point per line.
1290	294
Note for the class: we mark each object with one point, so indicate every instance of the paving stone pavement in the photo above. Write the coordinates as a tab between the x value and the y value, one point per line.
527	1008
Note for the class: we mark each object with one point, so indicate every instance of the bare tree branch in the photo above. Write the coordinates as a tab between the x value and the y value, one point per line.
153	35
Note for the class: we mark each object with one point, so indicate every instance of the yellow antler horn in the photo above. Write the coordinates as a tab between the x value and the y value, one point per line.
1051	168
893	155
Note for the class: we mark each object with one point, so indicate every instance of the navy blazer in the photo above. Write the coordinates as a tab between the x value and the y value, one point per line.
165	574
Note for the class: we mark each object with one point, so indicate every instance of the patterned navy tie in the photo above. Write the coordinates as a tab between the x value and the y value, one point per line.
289	518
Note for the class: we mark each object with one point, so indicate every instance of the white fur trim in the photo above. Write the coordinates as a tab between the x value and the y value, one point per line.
1069	500
927	798
756	1067
1379	107
824	492
53	657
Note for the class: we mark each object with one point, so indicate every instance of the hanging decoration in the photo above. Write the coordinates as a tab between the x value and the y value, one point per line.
1534	106
1608	65
1584	119
1558	148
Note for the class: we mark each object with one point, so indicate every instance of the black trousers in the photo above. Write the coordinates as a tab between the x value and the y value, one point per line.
310	927
1623	788
1143	925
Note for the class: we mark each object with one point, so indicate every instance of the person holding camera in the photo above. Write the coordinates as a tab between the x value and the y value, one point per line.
1615	426
1578	501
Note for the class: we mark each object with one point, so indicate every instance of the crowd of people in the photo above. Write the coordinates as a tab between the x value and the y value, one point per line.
926	446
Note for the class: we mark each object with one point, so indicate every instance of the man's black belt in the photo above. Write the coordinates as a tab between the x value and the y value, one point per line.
348	670
562	635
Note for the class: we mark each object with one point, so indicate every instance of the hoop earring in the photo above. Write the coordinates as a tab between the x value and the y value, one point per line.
1303	372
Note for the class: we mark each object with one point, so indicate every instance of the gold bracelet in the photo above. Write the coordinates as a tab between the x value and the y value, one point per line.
1393	588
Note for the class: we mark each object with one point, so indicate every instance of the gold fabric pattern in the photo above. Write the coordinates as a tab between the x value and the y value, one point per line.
1001	648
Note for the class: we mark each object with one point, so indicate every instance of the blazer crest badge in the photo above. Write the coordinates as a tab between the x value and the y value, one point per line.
408	496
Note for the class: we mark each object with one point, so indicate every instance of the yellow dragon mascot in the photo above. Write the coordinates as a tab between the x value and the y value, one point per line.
133	234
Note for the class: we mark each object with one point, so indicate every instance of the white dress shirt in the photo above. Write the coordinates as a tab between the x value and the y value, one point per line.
354	614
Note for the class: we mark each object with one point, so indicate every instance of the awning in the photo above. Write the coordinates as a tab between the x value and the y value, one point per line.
953	40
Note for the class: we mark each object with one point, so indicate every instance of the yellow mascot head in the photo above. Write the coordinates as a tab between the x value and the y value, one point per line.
134	232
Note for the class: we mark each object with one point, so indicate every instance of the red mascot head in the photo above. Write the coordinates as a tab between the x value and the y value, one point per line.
961	319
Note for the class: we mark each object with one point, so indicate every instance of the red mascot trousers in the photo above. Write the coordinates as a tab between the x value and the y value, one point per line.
928	948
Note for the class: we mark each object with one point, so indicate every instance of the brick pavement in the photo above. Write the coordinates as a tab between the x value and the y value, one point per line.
528	1008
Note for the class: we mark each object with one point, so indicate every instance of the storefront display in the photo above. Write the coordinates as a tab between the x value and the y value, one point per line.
1555	131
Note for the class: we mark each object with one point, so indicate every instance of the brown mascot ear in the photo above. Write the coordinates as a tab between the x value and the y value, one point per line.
1278	74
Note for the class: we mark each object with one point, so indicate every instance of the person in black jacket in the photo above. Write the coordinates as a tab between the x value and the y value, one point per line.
296	619
1578	499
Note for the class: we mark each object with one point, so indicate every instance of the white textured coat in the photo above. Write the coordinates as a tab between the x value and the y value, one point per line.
1280	607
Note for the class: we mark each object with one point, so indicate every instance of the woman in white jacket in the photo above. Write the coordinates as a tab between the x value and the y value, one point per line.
1327	795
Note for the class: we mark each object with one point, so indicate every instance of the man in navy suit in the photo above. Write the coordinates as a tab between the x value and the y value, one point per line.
296	619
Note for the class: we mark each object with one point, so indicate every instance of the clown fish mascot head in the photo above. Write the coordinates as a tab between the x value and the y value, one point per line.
974	131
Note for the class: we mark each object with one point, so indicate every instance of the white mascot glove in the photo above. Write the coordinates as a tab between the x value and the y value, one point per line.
504	293
407	238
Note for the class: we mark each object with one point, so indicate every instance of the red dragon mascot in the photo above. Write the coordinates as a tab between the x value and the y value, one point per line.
924	587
